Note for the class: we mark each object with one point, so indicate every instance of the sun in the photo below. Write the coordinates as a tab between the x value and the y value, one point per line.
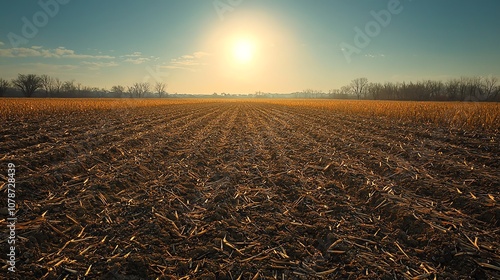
244	50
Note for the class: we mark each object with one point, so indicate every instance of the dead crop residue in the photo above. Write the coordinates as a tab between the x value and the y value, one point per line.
250	190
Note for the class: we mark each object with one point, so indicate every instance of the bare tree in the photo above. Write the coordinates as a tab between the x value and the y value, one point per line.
332	93
51	85
56	86
346	90
468	88
434	89
451	89
145	88
69	87
489	87
160	89
390	90
307	93
319	94
474	87
415	91
359	86
103	92
463	89
139	89
4	85
28	84
46	84
131	91
376	90
118	90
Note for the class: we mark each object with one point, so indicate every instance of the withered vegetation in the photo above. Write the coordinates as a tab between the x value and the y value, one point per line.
249	190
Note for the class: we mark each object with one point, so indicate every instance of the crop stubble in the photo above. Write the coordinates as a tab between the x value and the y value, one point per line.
252	190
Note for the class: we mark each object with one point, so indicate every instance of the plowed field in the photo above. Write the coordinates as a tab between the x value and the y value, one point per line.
249	190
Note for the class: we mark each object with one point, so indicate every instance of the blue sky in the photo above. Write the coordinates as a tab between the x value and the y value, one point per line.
243	46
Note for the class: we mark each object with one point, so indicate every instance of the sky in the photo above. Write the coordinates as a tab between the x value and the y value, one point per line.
245	46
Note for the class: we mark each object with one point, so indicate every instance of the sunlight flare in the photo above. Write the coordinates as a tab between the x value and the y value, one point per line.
244	50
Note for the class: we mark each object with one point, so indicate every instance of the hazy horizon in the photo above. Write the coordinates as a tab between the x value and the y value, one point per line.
249	45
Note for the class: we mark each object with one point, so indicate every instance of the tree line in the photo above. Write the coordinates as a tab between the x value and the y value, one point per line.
461	89
44	85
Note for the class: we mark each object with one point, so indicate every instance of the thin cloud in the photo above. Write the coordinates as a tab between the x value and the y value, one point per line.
200	54
63	52
1	43
194	55
134	54
187	62
374	55
139	60
99	65
38	51
19	52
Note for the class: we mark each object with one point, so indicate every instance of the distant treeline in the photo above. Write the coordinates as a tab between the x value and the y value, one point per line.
32	85
462	89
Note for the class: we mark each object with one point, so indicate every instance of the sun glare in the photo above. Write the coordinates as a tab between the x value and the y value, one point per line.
244	50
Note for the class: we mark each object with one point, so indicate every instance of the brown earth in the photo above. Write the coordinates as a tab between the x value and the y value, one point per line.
249	190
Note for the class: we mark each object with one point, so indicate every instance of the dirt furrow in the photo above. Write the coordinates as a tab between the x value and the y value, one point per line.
251	190
357	152
390	159
101	128
322	201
